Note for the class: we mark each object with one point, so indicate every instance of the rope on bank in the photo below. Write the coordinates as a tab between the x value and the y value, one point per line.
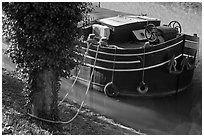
81	105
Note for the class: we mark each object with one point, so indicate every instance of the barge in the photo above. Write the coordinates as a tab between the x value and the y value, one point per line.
137	56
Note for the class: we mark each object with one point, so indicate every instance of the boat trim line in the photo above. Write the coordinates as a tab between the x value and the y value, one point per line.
138	53
110	61
191	41
138	69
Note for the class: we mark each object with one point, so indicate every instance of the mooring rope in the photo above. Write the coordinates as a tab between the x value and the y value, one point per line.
143	64
69	121
113	72
88	45
143	88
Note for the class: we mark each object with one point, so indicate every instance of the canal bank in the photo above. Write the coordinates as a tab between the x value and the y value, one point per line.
16	122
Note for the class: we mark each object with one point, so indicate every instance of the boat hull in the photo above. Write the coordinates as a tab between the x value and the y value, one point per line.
127	68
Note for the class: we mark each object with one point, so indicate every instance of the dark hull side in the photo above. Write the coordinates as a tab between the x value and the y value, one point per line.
127	68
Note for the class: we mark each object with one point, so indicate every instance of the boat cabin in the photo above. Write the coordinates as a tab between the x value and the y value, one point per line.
126	28
128	31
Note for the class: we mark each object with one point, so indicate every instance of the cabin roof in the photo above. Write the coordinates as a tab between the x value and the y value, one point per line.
127	19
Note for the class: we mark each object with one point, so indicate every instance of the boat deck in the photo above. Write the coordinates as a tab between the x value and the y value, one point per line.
132	45
129	45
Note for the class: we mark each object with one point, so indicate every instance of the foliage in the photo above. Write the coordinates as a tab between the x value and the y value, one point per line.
44	35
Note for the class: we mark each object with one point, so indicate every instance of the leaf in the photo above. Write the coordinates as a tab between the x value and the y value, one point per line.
42	34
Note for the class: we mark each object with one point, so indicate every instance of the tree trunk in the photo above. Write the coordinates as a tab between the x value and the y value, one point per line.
44	95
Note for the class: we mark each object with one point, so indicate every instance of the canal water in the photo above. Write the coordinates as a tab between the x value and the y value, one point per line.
178	114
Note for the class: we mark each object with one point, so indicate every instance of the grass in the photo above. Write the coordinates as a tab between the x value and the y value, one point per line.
15	121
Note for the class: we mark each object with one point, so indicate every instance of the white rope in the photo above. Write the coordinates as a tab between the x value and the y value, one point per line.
76	76
113	72
69	121
143	64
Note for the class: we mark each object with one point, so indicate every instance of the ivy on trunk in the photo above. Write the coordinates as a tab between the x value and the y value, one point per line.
44	95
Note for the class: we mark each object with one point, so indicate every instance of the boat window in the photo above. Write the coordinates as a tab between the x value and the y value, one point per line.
139	34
